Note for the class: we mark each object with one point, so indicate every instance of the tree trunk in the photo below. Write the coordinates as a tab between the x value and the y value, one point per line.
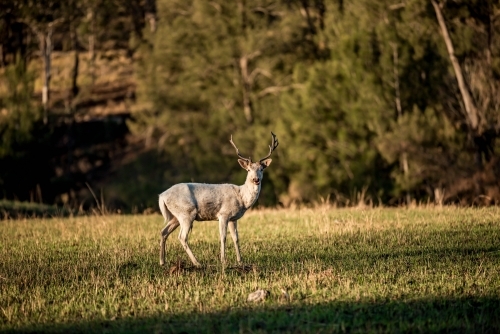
397	93
246	88
243	16
470	108
90	15
45	40
150	14
74	73
397	100
2	64
482	140
305	12
247	83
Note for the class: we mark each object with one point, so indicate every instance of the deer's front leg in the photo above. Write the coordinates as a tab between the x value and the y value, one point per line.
233	229
223	232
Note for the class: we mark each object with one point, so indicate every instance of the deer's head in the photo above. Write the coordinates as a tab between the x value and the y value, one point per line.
256	169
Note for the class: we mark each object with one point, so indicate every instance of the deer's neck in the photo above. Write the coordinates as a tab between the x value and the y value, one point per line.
249	193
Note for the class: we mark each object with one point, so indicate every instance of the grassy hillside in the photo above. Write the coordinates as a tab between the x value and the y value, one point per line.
374	270
104	90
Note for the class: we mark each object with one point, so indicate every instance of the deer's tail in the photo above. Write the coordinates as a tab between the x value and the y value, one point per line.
167	215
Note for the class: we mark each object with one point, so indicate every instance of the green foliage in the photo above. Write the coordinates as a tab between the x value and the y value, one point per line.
333	117
15	209
422	144
17	111
24	152
361	94
377	270
326	127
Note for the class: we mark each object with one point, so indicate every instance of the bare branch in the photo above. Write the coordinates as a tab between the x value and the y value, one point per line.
256	72
217	6
253	55
247	84
278	89
397	6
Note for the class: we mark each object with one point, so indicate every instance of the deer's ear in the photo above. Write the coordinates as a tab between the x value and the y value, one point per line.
266	163
243	163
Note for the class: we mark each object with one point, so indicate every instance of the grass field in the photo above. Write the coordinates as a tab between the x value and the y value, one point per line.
344	270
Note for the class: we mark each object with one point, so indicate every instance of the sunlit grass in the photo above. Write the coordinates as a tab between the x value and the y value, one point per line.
422	269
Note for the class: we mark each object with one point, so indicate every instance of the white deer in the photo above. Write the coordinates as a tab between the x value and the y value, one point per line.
184	203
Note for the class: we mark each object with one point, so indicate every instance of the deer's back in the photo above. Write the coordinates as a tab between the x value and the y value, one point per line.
199	201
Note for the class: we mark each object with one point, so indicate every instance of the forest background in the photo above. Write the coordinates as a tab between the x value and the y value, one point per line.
385	102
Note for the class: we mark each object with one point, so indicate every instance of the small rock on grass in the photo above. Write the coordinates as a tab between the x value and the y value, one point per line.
258	295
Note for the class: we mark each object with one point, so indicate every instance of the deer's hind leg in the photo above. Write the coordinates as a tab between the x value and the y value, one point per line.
169	228
186	225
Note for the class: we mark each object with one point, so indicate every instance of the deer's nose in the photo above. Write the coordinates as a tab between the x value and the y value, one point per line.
256	180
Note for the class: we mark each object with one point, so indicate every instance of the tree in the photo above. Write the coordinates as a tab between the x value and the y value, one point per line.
18	125
42	17
332	121
469	105
17	111
447	81
213	69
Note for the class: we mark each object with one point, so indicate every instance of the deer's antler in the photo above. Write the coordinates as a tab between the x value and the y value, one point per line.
238	151
272	147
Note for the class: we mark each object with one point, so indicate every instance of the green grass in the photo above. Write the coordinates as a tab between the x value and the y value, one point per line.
374	270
